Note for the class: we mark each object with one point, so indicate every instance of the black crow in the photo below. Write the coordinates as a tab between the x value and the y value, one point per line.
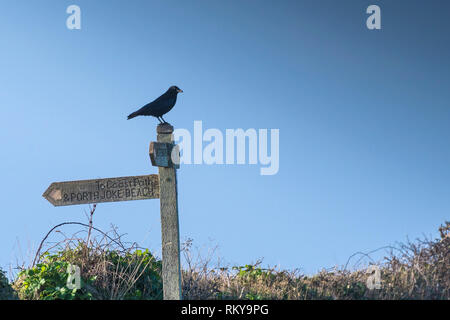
160	106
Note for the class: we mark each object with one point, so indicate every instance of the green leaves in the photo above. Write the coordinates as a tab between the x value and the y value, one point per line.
48	281
252	272
137	275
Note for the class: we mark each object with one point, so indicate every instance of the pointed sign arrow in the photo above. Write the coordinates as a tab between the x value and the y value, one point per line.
103	190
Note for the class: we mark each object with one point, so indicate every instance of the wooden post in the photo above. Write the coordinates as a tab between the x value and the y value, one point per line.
170	230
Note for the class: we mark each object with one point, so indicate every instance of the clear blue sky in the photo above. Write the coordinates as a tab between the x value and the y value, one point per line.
364	120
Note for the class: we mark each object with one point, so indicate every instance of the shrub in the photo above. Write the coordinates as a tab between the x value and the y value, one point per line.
108	268
48	281
107	274
111	270
6	291
413	271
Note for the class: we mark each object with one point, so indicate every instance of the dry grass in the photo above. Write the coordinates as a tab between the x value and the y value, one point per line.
411	271
414	270
111	268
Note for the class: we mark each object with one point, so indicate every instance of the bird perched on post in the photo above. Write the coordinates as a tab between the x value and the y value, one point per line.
160	106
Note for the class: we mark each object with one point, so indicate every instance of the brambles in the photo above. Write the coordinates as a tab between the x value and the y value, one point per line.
109	275
48	281
111	269
413	271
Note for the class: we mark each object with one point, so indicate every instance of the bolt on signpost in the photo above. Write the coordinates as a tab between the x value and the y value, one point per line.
164	155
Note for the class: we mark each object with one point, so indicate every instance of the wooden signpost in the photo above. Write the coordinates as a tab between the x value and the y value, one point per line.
163	154
170	230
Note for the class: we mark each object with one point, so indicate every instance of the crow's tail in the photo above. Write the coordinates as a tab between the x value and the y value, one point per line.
132	115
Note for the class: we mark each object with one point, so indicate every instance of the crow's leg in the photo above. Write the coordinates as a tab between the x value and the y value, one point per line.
159	119
163	119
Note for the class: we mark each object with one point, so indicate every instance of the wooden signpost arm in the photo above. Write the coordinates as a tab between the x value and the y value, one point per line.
170	230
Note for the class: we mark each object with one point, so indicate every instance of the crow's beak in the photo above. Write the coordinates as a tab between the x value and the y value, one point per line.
180	91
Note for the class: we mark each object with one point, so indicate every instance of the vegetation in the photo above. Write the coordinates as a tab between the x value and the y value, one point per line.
413	271
110	269
6	292
104	274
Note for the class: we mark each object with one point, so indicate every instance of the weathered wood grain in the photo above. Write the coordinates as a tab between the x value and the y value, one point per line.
103	190
170	232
